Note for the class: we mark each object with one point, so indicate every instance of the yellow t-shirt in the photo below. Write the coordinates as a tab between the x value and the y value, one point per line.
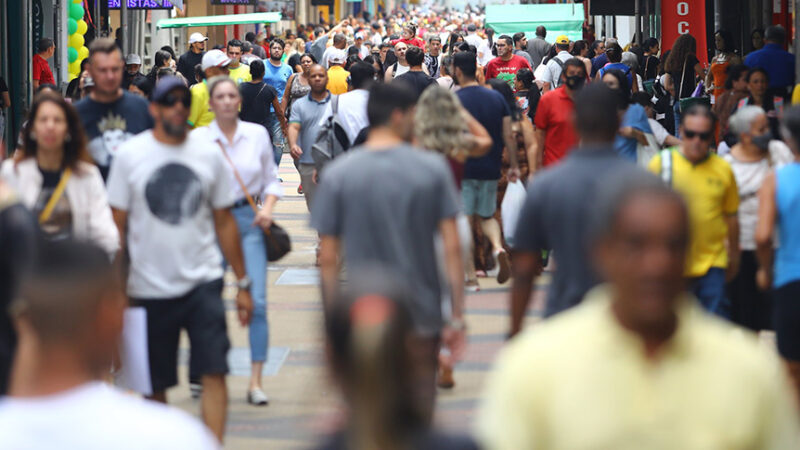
337	80
796	95
199	114
241	74
710	191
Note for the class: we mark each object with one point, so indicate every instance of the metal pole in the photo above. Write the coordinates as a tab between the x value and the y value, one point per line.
123	24
718	16
637	15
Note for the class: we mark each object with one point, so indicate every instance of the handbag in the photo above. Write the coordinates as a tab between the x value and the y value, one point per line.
44	216
276	240
686	103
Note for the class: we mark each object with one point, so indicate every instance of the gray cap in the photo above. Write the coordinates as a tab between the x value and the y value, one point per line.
133	59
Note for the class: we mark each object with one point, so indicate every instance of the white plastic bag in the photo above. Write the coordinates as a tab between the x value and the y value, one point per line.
513	200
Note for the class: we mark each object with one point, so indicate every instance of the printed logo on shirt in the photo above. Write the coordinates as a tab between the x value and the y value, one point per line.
113	132
174	193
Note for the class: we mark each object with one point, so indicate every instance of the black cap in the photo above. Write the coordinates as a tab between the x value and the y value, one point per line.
165	86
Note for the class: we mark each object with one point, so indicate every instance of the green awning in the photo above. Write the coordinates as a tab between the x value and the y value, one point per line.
557	18
230	19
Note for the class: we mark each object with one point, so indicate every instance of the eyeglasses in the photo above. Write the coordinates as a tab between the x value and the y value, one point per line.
172	99
704	136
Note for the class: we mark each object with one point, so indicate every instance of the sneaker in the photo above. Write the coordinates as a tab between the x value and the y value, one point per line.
446	380
472	286
504	265
257	397
196	389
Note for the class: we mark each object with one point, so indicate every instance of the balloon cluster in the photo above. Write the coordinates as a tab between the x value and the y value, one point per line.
76	28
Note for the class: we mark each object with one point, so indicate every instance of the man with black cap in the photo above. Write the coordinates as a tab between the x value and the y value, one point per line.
192	57
171	201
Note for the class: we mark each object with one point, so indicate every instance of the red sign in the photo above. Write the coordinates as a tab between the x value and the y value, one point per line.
684	17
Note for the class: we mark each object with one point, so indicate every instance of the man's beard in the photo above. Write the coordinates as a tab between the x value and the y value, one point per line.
274	59
172	130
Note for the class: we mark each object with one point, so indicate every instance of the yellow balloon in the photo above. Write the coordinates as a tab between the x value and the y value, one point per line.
77	1
83	52
82	27
74	67
76	41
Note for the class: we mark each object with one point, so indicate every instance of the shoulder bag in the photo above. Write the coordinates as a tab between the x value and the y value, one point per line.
276	240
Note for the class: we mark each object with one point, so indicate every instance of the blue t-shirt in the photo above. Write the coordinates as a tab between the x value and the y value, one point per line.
621	67
787	199
489	108
277	76
634	117
778	63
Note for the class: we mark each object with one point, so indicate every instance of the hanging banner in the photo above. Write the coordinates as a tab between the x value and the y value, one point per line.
684	17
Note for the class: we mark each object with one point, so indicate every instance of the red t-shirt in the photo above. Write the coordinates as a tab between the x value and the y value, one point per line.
506	70
415	42
554	116
41	71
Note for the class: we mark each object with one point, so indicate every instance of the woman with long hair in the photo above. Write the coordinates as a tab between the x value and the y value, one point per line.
725	57
735	91
758	87
297	85
253	174
374	60
580	50
527	93
55	178
649	70
162	59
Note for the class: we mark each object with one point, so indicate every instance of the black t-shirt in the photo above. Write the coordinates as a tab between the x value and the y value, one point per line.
688	77
3	88
418	81
648	69
256	101
59	224
186	64
108	125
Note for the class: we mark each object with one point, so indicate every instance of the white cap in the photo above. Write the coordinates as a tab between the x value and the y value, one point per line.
215	58
197	37
359	35
337	56
133	59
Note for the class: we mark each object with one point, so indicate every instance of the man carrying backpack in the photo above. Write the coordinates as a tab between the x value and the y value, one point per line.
305	123
552	73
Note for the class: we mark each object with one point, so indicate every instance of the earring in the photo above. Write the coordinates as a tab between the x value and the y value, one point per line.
68	137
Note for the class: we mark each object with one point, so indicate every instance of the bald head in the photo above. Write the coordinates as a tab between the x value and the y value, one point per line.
317	79
339	40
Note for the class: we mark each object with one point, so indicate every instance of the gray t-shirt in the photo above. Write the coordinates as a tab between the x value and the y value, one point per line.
556	216
308	113
386	206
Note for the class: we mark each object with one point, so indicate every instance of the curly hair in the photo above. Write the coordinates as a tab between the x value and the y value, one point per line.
683	47
439	124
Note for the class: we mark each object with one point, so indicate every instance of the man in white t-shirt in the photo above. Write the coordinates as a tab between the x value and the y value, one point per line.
552	74
171	201
69	319
352	106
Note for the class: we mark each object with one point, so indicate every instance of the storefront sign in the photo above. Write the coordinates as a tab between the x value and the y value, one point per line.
141	4
233	2
684	17
286	8
37	14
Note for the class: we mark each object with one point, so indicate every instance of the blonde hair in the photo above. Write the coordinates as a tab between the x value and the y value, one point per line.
299	45
439	123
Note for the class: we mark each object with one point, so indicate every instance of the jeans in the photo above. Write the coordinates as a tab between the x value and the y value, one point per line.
710	290
255	264
278	139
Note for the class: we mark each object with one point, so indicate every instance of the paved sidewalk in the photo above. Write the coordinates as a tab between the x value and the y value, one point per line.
304	405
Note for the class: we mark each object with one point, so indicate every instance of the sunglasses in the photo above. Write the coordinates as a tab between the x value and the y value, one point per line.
172	99
704	136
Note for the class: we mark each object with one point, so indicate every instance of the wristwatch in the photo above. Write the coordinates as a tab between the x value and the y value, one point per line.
244	283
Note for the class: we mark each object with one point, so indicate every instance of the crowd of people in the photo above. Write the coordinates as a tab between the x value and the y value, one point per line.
661	195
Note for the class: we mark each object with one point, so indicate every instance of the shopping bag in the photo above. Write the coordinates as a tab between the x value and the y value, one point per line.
513	200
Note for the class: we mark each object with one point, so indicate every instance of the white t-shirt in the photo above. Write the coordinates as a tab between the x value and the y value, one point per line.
327	56
552	73
749	178
473	39
659	131
352	110
95	416
485	53
170	193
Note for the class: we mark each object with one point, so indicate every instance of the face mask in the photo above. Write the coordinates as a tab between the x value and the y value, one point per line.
762	142
575	82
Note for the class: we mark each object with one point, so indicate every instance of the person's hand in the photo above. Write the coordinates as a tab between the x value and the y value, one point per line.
263	219
513	174
315	176
455	341
764	279
244	306
733	268
296	151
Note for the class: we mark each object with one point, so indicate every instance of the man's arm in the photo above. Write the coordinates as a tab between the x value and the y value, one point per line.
767	212
281	115
535	152
527	266
454	338
291	136
511	148
121	259
228	238
734	255
388	76
329	248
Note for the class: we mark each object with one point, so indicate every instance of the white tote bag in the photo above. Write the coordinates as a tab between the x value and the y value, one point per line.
513	200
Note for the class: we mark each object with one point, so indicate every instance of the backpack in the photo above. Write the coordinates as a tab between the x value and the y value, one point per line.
331	140
557	82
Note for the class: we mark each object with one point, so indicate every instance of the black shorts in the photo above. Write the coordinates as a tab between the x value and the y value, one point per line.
786	307
202	313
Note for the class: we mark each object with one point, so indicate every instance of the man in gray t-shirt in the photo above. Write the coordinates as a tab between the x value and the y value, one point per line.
556	212
304	125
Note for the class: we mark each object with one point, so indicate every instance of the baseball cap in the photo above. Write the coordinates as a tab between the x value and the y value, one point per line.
133	59
215	58
562	40
88	82
197	37
359	35
337	56
166	85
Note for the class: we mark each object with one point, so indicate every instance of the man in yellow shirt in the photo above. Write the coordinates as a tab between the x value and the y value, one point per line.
337	76
238	72
638	364
707	183
215	63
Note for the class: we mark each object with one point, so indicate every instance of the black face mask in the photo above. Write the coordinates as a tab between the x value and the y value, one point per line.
575	82
762	142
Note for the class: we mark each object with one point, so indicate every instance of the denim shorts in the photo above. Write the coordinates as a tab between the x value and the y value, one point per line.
480	197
